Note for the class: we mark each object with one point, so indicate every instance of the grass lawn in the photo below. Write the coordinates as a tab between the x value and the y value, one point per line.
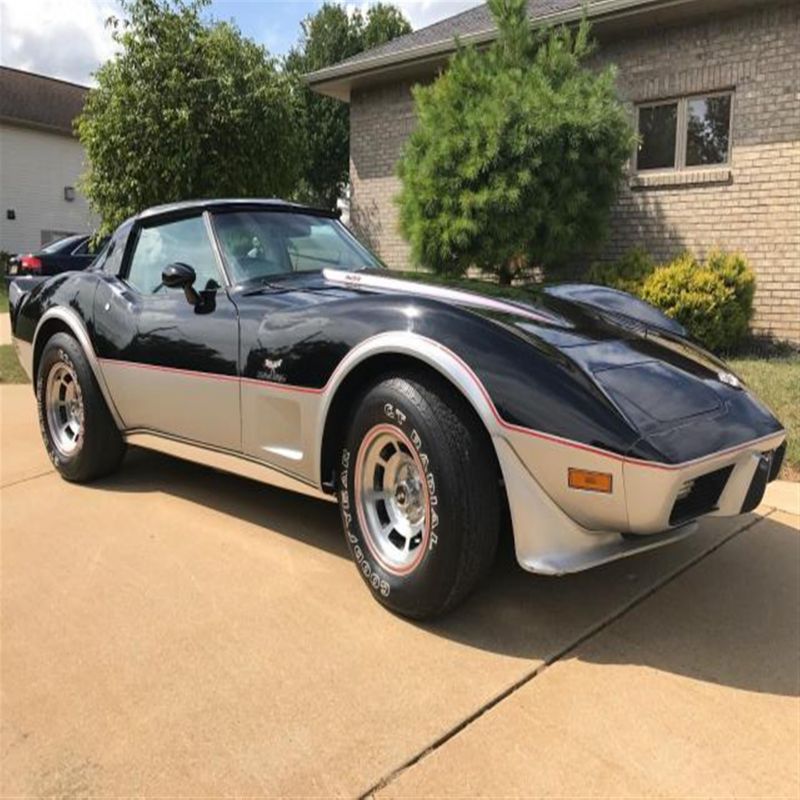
3	296
777	382
10	369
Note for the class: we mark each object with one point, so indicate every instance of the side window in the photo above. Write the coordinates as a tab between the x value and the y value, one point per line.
658	128
82	249
708	122
160	245
684	133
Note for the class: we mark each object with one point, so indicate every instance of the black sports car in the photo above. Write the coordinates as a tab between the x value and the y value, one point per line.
64	255
261	337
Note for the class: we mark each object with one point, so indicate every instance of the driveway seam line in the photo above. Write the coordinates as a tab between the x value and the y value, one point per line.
599	627
25	480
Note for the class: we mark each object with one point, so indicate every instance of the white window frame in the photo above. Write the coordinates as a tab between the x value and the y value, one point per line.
682	118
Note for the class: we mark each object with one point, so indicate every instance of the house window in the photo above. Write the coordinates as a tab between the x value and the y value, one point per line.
684	133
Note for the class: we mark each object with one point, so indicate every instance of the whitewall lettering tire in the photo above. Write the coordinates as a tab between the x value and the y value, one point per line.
419	495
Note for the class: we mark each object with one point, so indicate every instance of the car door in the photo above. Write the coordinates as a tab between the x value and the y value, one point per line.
171	365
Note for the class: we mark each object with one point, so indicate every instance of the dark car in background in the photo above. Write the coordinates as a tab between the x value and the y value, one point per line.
64	255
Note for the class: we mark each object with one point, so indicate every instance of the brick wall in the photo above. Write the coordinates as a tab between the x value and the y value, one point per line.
380	121
753	207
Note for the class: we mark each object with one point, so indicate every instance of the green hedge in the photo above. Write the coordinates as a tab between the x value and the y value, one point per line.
712	299
628	274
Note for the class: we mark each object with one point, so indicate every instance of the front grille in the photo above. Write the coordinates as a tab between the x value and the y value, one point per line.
702	497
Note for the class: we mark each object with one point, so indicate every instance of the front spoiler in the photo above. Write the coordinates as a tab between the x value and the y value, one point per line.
550	542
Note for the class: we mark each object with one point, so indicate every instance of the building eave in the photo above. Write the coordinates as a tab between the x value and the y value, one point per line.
37	126
338	80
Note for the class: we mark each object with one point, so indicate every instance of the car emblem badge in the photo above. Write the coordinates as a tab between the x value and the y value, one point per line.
272	368
729	379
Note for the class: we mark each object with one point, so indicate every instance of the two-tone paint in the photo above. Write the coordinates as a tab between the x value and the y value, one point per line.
567	377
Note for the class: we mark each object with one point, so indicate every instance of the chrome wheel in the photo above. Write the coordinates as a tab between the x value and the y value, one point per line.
64	408
392	499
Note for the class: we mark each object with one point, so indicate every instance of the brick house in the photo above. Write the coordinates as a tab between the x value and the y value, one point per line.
726	68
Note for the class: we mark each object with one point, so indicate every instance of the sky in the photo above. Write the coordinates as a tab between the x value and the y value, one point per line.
68	39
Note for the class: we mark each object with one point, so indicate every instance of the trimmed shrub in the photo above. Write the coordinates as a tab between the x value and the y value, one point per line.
712	300
628	274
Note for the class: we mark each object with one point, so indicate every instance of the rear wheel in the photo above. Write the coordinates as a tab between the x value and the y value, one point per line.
419	495
78	432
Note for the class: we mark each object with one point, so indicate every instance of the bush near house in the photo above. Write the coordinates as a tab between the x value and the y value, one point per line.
628	274
517	154
712	299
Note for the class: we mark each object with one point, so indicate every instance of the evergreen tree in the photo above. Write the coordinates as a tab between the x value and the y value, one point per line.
517	155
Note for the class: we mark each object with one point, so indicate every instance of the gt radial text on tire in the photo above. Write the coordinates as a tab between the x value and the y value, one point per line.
419	494
78	432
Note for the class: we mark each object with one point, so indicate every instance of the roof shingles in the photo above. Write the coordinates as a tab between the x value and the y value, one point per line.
38	101
471	21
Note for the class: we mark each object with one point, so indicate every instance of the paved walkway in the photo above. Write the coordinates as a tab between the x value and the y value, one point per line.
5	328
173	631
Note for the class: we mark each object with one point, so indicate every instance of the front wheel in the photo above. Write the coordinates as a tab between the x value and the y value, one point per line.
419	495
78	432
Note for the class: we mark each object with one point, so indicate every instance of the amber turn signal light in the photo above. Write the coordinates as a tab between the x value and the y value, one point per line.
590	481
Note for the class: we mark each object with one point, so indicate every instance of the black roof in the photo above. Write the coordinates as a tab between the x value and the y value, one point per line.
230	203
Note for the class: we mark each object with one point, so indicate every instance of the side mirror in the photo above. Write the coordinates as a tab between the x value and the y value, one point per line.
182	276
178	276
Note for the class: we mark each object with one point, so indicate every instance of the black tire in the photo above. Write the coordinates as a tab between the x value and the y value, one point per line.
99	448
460	490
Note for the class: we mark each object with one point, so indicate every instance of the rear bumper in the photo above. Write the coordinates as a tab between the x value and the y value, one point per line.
559	530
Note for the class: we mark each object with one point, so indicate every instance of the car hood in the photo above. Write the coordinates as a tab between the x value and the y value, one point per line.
642	361
565	315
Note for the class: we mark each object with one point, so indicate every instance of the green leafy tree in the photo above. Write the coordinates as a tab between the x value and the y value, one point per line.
186	109
329	36
517	155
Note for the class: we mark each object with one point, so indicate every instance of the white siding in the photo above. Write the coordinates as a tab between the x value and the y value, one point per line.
35	166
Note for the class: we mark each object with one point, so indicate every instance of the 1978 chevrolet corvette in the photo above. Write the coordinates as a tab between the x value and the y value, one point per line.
261	337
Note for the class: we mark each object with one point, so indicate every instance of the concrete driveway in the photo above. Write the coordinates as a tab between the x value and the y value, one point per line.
178	632
5	328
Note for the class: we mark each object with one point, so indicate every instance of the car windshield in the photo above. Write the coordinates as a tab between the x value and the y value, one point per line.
261	245
63	243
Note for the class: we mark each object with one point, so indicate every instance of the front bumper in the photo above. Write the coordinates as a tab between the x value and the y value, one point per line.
559	530
721	485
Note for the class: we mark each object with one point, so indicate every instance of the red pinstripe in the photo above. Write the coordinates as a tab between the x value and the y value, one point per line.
286	387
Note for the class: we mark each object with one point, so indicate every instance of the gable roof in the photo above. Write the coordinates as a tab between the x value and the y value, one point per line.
424	51
472	21
38	101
